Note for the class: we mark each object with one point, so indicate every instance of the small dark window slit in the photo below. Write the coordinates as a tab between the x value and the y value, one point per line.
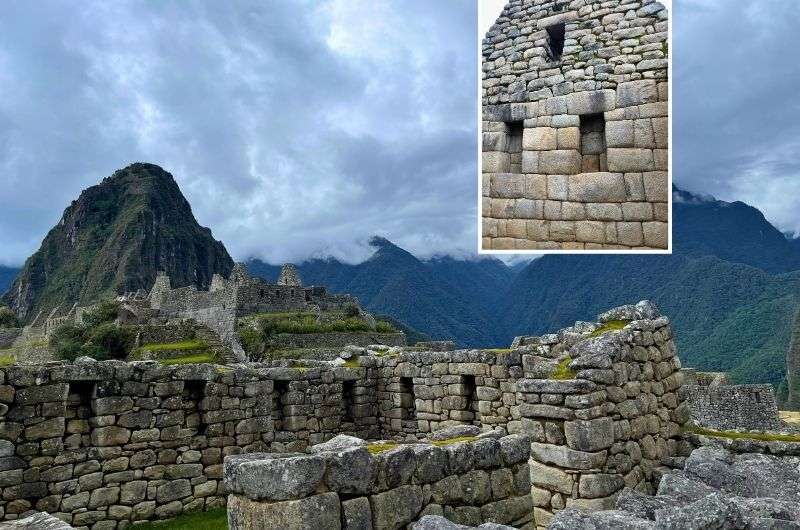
555	40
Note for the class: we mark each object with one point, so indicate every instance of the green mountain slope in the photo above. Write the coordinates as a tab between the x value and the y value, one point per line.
115	238
727	316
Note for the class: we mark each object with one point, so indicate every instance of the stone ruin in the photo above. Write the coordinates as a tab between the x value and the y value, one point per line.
565	423
575	126
163	312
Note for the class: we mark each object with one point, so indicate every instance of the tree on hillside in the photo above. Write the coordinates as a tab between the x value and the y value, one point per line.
7	318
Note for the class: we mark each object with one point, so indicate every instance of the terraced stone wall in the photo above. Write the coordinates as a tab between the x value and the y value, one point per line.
575	126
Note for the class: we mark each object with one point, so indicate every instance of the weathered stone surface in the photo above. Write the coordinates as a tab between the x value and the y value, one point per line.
590	435
597	187
319	511
395	508
273	476
565	457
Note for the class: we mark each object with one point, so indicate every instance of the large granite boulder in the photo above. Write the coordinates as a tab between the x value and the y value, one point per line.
717	489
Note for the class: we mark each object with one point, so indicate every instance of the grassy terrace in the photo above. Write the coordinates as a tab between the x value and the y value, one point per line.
210	520
7	358
183	352
305	322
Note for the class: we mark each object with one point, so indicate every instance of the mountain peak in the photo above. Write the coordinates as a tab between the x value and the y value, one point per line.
114	238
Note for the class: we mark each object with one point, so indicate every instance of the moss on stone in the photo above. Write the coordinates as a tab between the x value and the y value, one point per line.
563	370
499	350
376	448
352	363
733	435
455	440
7	359
611	325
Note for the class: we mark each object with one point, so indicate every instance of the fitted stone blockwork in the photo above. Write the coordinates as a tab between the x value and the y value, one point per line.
588	82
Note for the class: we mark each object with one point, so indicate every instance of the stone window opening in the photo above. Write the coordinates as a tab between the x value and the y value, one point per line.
348	401
470	390
593	143
78	407
196	391
280	389
514	131
555	41
407	398
261	293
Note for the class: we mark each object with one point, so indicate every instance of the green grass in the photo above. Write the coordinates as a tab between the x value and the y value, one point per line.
170	346
198	358
305	322
762	436
499	350
7	359
563	371
352	363
210	520
611	325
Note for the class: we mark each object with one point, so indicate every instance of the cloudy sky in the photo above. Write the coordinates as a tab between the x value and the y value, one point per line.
300	128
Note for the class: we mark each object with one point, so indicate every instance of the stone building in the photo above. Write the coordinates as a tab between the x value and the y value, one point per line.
575	126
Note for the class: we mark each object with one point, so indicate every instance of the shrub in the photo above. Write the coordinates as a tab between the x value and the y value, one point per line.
381	326
67	341
351	310
103	313
108	341
7	318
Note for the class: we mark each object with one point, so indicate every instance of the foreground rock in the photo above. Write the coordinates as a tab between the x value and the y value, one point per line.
437	522
37	521
716	489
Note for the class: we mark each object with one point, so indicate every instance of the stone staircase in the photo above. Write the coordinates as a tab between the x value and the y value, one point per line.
223	353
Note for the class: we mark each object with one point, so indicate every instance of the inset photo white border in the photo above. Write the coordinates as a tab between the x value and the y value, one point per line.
520	100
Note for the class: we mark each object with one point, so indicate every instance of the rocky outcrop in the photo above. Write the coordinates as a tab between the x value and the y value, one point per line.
37	521
115	238
717	489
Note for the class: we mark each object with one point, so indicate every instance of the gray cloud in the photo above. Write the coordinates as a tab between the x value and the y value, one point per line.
301	128
294	128
736	113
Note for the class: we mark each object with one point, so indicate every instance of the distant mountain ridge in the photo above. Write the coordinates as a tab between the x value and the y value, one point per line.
115	237
728	288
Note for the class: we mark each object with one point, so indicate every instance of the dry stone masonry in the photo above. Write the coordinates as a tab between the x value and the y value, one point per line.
612	421
342	484
581	419
575	126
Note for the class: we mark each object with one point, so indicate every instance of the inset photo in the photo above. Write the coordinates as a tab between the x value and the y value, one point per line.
575	127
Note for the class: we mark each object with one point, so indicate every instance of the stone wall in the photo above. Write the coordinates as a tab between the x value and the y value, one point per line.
734	407
119	442
336	339
8	336
113	442
336	487
603	412
420	392
575	140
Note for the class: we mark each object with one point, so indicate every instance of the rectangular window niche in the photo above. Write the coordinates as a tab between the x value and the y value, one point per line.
593	143
514	130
